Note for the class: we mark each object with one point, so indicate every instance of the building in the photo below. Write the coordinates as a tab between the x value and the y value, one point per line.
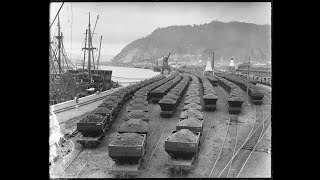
258	72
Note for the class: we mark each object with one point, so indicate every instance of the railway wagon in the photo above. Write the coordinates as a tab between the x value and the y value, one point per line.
168	107
185	124
256	97
128	154
112	106
157	94
210	101
92	128
235	106
181	155
92	125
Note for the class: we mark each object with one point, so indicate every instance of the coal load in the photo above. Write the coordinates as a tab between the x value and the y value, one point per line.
167	104
137	115
191	113
184	135
102	111
193	106
128	139
108	104
138	107
192	121
171	96
192	96
210	96
134	126
192	100
92	118
138	101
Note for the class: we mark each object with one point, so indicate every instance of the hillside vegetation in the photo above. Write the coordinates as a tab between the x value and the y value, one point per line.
236	39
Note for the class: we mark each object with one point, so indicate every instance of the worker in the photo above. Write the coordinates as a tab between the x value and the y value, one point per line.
77	101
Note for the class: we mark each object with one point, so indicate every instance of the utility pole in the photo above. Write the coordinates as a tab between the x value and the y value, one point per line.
248	83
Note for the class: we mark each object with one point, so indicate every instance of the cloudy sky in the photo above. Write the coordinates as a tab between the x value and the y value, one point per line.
121	23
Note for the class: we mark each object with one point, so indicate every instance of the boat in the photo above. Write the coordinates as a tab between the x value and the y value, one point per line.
66	80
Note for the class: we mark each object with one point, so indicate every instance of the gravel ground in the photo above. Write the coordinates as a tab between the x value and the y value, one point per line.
98	163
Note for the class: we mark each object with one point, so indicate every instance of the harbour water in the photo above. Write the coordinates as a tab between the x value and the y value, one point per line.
125	75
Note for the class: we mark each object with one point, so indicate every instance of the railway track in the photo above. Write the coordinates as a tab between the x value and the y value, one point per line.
258	122
169	125
95	99
238	157
245	152
74	173
253	150
229	138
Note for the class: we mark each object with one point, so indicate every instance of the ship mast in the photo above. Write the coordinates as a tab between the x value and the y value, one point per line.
84	54
59	37
99	53
90	49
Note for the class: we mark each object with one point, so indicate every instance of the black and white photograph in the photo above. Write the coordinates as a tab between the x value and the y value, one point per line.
160	89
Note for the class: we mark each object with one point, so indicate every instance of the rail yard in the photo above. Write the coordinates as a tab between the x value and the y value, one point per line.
186	124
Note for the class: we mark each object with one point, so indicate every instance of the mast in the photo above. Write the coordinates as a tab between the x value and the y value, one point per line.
99	53
59	46
85	47
89	57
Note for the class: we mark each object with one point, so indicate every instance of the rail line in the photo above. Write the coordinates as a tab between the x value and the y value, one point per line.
240	147
252	151
95	99
225	138
247	139
233	155
156	146
71	162
77	134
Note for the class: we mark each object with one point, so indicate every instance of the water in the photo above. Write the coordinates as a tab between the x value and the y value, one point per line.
125	75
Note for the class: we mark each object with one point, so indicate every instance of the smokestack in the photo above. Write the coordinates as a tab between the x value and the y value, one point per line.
212	62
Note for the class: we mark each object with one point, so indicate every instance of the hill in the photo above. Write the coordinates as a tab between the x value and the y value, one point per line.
190	43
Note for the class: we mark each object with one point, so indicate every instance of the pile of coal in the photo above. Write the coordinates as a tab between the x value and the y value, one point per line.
167	101
137	107
191	121
192	100
171	96
191	113
184	135
192	96
128	139
92	118
100	110
136	115
192	106
134	125
210	96
108	103
138	101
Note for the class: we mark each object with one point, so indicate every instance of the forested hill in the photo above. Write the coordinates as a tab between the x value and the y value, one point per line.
236	39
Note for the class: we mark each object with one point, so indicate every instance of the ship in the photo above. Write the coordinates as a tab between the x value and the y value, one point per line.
66	80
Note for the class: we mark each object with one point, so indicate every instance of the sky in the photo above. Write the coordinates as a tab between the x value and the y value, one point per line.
120	23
